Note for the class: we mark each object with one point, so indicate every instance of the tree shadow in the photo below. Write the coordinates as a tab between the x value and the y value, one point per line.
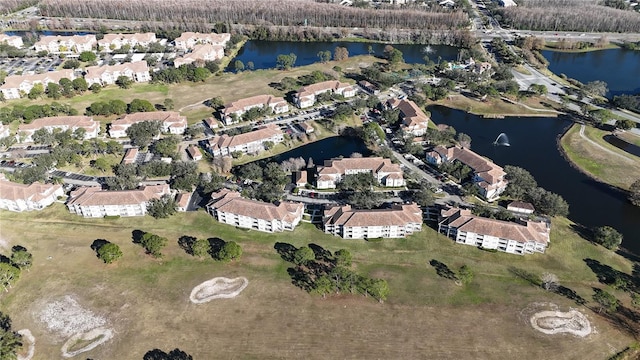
300	278
583	231
98	243
529	277
570	294
175	354
443	270
17	248
186	243
215	245
285	251
136	236
4	259
610	276
321	254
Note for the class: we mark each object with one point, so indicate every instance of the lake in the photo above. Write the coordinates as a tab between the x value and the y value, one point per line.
619	68
263	54
534	147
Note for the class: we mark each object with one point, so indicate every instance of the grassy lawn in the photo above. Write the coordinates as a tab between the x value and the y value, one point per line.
495	106
553	46
605	167
630	137
146	300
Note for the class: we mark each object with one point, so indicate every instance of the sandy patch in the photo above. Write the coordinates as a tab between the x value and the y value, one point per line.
66	317
95	336
4	244
557	322
30	341
218	288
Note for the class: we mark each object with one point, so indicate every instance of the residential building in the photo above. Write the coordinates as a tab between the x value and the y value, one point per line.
21	197
230	208
334	170
130	156
190	39
112	42
521	207
194	153
15	41
108	74
308	128
306	96
4	130
172	122
64	123
300	177
414	121
16	85
211	123
523	237
507	3
182	201
247	143
397	222
234	110
369	87
93	202
66	44
202	53
488	177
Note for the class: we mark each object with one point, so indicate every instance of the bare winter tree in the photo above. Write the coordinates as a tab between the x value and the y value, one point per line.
549	281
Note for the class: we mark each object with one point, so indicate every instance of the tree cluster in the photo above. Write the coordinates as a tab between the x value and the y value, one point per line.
629	102
217	248
523	186
106	251
319	271
152	243
10	267
162	208
186	72
607	237
634	193
26	114
10	340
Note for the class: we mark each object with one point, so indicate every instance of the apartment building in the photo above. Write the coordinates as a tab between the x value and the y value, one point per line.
522	237
172	122
334	170
66	44
21	197
64	123
413	120
230	208
306	96
4	130
17	85
137	71
201	53
488	177
247	143
188	40
398	221
236	109
94	202
15	41
112	42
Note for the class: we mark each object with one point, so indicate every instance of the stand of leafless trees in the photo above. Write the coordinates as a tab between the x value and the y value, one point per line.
263	12
570	15
9	6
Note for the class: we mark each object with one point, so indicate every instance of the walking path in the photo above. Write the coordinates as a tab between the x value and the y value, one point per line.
600	146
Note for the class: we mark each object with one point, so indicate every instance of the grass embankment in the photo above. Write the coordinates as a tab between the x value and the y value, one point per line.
147	301
555	46
498	107
617	170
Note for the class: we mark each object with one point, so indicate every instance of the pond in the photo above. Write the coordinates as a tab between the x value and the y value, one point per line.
263	54
533	146
619	68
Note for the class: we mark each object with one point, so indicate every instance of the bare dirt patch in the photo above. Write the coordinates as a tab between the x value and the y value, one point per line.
85	341
66	317
549	319
218	288
30	342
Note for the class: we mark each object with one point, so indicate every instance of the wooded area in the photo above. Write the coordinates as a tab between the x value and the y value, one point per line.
265	12
569	15
9	6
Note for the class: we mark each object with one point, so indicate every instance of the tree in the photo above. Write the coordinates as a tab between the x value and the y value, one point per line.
303	255
87	56
229	251
95	88
153	244
175	354
71	64
343	258
21	258
162	208
625	124
124	82
520	181
168	104
9	340
143	132
140	105
125	177
201	247
286	62
53	91
605	300
166	147
378	289
395	57
80	85
109	252
464	140
324	56
340	53
547	202
549	281
367	199
8	275
36	91
101	164
423	196
607	237
634	193
595	88
465	275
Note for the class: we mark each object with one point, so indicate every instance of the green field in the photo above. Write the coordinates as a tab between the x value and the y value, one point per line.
146	301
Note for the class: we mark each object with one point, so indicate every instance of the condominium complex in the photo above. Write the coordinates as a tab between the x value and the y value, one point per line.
398	221
202	53
90	126
247	143
413	120
236	109
15	41
93	202
190	39
112	42
66	44
137	71
21	197
230	208
172	122
16	85
334	170
306	96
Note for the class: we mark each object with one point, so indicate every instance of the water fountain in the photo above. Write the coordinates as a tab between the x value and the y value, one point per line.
502	140
428	50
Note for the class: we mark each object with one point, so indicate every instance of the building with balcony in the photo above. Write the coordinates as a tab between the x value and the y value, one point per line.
17	85
112	42
64	123
188	40
137	71
66	44
233	111
172	122
396	222
306	96
22	197
334	170
94	202
248	143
